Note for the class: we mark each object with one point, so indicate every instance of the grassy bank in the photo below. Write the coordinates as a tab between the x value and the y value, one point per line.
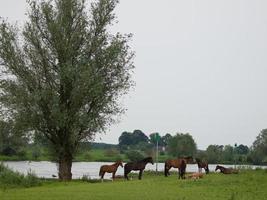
248	185
11	179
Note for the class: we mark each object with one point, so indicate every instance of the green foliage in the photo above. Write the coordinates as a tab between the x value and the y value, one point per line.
182	145
154	138
11	139
165	139
133	155
259	148
67	70
214	153
130	139
9	178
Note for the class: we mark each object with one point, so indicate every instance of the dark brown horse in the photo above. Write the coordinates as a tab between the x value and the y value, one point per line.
182	169
137	166
202	164
110	169
225	170
177	163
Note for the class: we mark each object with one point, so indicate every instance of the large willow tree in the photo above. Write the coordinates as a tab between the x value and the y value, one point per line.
62	75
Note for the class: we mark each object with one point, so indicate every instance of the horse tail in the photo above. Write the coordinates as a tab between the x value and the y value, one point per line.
182	169
166	169
100	171
126	171
207	169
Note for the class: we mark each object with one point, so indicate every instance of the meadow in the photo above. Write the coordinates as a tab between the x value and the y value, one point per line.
247	185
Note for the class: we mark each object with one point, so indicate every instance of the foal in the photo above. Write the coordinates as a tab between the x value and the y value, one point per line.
110	169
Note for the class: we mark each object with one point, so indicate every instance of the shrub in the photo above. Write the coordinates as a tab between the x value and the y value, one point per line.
11	178
133	155
8	151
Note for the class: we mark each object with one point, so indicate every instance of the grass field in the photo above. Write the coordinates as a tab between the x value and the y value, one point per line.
248	185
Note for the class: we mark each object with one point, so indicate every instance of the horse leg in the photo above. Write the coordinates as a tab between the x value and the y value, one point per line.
126	172
102	176
169	170
200	170
140	174
207	170
113	176
166	170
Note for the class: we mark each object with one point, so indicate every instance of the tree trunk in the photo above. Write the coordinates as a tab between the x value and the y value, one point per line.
64	168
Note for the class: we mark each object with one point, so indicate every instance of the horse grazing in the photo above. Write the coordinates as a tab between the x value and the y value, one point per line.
179	163
225	170
202	164
110	169
137	166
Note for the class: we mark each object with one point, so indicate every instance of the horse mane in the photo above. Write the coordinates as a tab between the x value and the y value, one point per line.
187	157
146	159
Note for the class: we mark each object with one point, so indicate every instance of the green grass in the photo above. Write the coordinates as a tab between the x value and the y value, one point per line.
248	185
11	179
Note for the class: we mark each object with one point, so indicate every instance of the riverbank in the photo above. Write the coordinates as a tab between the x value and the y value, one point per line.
248	185
93	155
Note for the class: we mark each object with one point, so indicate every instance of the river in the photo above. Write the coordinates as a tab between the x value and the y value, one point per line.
91	169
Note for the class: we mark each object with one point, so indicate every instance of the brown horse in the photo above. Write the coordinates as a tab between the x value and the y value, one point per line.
202	164
137	166
179	163
110	169
225	170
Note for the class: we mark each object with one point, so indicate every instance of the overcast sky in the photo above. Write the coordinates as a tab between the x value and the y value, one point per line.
201	67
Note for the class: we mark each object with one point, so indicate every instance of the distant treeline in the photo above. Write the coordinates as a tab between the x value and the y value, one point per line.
132	146
136	143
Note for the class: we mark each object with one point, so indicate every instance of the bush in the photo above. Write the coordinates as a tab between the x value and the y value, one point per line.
8	151
11	178
133	155
22	154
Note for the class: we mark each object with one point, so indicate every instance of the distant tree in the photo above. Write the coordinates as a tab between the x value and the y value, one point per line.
201	154
259	148
182	145
242	149
125	139
131	139
165	139
139	136
214	153
64	74
153	137
228	154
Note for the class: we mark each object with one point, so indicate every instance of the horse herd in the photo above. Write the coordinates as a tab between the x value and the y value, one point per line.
179	163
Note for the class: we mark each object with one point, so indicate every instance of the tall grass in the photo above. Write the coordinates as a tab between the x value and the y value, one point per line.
9	178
